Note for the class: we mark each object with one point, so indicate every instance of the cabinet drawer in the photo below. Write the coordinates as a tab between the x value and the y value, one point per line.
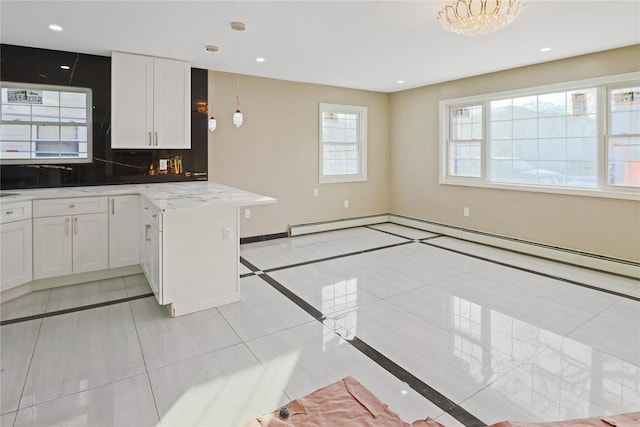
15	211
151	213
69	206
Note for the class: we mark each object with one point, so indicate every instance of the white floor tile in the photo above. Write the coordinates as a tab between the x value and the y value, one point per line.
7	420
242	269
616	331
127	402
86	294
262	310
531	394
224	388
458	364
287	251
308	357
167	340
143	289
30	304
134	280
82	350
401	230
17	342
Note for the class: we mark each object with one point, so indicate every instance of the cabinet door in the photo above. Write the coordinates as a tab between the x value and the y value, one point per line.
124	222
90	242
131	101
151	258
172	101
52	247
15	247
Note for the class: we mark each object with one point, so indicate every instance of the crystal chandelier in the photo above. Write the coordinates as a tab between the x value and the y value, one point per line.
479	17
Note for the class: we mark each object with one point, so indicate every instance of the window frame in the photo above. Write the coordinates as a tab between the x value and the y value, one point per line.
602	189
88	124
361	143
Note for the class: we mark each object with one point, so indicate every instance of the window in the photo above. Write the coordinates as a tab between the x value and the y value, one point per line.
44	124
343	143
582	136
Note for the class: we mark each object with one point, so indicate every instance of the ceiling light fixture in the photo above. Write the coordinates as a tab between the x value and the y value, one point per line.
400	82
212	123
260	59
65	67
545	49
238	118
478	17
55	27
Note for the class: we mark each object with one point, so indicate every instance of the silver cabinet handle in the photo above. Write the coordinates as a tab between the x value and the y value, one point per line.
150	139
147	229
75	226
9	212
156	138
72	206
113	206
66	226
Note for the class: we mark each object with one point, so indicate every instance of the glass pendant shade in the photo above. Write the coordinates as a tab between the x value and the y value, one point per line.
237	118
212	124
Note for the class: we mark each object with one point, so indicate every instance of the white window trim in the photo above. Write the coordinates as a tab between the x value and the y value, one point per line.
88	124
604	190
362	144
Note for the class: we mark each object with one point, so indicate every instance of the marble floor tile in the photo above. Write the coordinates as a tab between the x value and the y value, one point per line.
515	302
310	356
167	340
458	364
288	251
262	310
86	294
531	394
401	230
31	304
82	350
242	269
616	331
17	342
134	280
126	402
605	380
7	420
225	388
141	289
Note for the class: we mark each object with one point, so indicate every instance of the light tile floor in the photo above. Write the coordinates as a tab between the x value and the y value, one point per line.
501	343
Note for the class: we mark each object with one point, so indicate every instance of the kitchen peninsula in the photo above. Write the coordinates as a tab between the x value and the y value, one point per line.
184	236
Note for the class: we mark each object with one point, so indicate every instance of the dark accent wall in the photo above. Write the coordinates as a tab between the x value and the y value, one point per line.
121	166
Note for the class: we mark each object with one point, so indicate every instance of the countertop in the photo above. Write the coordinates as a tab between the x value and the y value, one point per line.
166	196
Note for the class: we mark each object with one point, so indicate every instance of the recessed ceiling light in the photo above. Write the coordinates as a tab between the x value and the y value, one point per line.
400	82
65	67
545	49
54	27
260	59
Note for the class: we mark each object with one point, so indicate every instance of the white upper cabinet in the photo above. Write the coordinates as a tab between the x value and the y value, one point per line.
150	102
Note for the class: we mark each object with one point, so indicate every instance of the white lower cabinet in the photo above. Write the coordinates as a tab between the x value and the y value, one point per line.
67	244
151	249
124	223
15	245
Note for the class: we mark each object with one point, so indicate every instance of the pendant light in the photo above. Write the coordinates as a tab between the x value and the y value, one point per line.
212	123
238	118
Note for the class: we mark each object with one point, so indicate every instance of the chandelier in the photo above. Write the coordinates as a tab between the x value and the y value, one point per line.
478	17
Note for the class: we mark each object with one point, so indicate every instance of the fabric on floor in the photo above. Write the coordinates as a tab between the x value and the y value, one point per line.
345	403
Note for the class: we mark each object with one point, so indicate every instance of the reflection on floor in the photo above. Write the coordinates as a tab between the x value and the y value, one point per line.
492	342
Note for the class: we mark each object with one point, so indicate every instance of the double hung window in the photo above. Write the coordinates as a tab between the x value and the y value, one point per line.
583	136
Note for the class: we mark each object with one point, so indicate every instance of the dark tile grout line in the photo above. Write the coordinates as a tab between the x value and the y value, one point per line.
73	309
390	366
538	273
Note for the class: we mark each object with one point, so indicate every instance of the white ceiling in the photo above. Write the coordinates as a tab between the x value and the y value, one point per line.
357	44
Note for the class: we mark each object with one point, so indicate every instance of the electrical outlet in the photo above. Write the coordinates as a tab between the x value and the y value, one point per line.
315	192
346	203
466	211
247	213
228	233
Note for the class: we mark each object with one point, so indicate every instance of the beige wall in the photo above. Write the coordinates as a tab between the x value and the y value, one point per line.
275	152
597	225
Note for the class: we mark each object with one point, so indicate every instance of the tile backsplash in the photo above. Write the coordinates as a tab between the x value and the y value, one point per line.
109	166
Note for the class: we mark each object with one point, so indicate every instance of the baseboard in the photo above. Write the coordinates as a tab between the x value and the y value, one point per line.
182	309
318	227
582	259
